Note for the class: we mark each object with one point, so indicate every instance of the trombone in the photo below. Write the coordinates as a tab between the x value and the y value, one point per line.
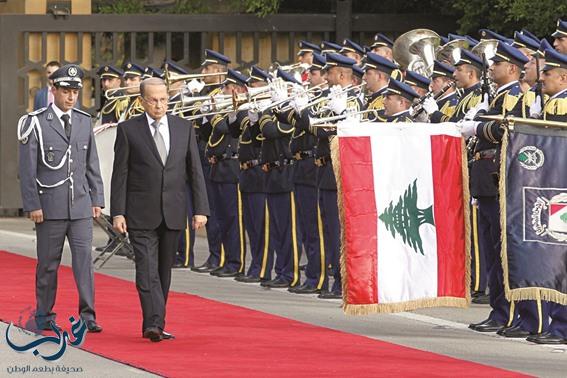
116	93
172	79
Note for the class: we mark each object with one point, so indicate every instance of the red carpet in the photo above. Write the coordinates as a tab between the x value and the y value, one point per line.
217	339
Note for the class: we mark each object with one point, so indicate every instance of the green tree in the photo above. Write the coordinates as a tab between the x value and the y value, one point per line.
405	218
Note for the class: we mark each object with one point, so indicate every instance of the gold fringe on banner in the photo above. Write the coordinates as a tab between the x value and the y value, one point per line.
366	309
523	293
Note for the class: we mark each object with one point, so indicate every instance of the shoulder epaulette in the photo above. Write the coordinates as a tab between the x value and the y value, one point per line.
82	112
36	112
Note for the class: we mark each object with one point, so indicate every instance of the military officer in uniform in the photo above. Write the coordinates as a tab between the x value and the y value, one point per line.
560	37
382	46
419	83
132	78
62	191
110	109
214	63
442	109
330	47
505	72
251	184
378	71
352	50
397	101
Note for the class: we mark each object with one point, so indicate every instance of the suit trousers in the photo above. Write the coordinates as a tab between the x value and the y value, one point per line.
154	252
50	240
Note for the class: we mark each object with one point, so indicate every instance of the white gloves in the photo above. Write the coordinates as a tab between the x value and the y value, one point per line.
535	108
468	127
430	105
253	116
206	106
481	106
300	98
337	99
278	90
195	86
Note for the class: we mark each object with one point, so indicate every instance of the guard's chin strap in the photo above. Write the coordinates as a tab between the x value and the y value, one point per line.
23	137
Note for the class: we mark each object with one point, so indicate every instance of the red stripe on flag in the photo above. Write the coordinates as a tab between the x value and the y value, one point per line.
555	208
359	204
449	215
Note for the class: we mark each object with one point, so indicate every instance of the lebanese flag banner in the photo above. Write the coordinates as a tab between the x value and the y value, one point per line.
403	200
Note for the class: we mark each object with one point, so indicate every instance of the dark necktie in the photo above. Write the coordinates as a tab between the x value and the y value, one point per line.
66	125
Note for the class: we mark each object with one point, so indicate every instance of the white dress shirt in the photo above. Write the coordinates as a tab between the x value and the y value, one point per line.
163	129
59	113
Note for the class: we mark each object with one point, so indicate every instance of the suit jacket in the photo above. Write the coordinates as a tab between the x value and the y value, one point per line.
72	199
40	99
144	190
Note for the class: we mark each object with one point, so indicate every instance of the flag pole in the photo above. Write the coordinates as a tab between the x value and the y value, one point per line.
510	121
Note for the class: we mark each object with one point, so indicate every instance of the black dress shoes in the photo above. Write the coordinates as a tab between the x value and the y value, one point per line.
225	273
205	268
247	279
153	333
49	325
93	327
304	289
515	332
179	266
330	295
167	336
487	325
546	338
278	283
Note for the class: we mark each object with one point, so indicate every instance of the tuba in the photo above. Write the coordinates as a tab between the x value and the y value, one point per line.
415	50
486	47
451	51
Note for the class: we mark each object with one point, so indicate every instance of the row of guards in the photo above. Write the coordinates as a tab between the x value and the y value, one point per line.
412	173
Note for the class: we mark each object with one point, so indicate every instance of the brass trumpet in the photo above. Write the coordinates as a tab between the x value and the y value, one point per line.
116	93
172	79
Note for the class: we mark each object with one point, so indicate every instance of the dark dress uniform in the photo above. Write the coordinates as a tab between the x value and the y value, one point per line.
222	153
277	163
254	205
375	102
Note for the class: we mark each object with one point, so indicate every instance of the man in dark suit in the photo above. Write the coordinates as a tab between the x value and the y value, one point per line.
44	97
155	157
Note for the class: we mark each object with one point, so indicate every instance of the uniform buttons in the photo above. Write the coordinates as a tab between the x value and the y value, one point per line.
70	160
41	192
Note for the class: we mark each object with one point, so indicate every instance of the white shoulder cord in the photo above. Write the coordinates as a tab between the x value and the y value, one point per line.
36	128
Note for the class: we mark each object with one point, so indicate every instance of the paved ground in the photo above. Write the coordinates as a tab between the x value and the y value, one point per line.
442	330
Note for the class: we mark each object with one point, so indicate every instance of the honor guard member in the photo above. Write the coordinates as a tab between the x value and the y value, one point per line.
222	153
152	72
489	34
62	191
382	46
467	75
528	47
306	51
419	83
357	75
397	101
132	79
251	184
484	175
217	64
442	109
560	37
277	164
352	50
302	147
533	98
111	109
555	86
330	47
339	78
467	78
378	71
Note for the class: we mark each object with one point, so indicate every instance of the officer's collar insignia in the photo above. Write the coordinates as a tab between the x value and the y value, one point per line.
72	71
49	116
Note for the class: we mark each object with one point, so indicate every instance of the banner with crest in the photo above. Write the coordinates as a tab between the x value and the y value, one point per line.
533	198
